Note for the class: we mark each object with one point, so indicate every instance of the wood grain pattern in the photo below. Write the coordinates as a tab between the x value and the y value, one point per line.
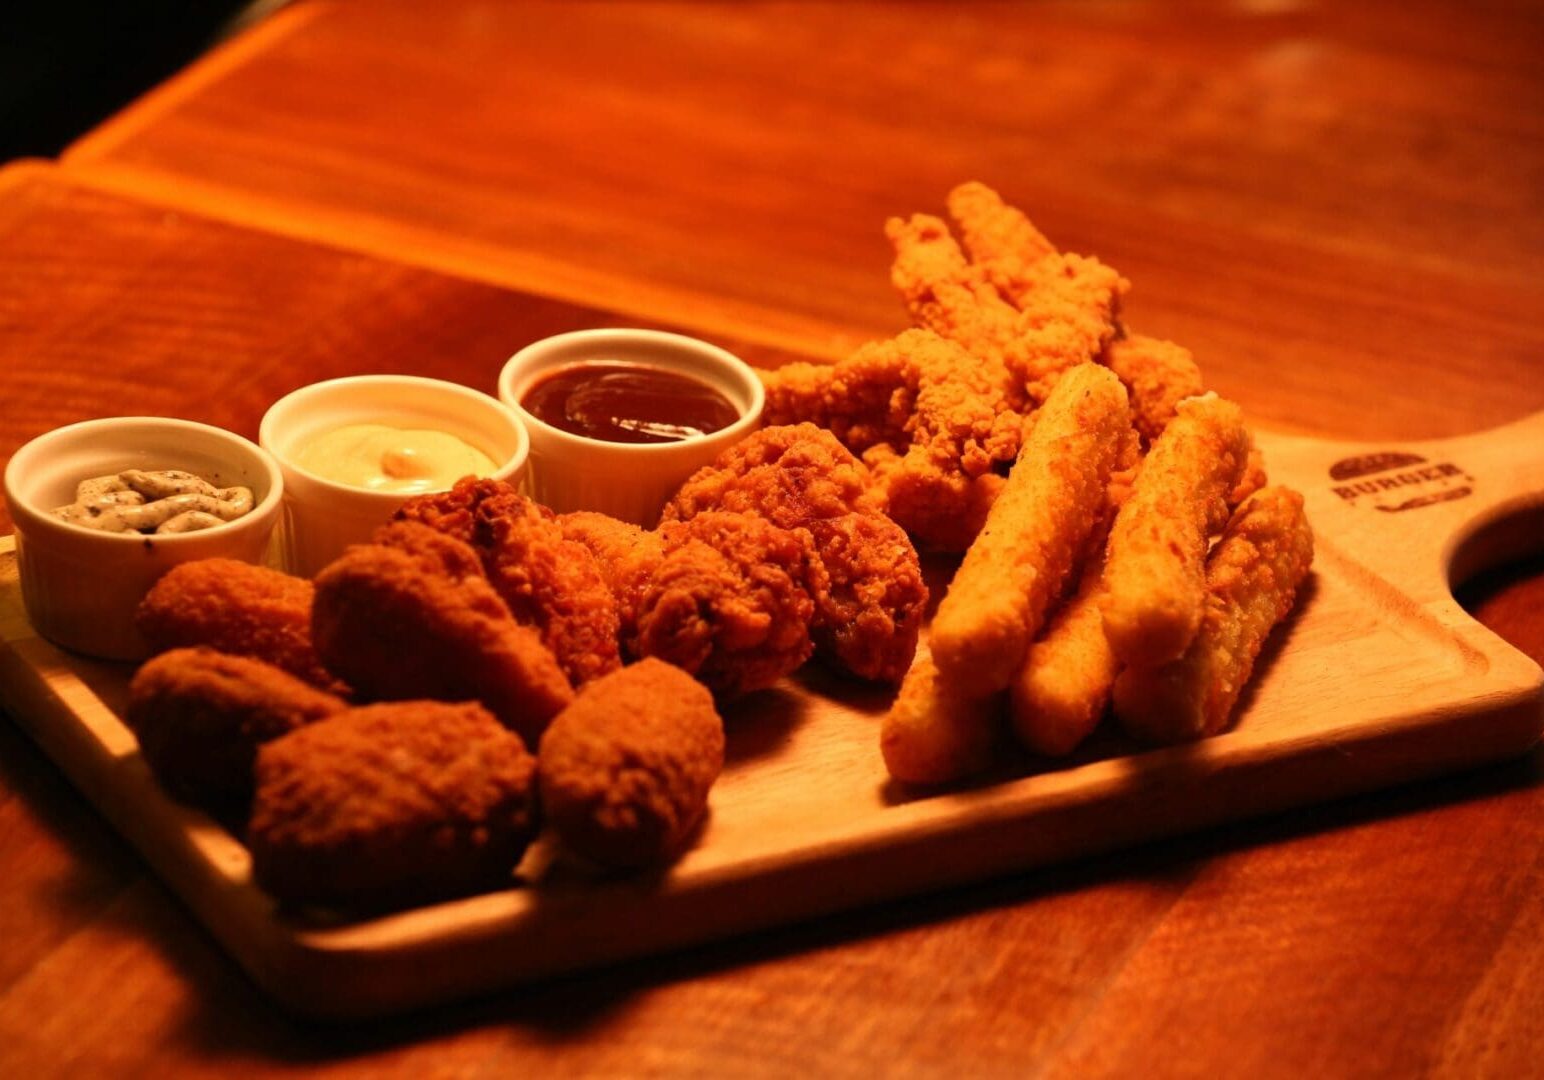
1335	205
1301	196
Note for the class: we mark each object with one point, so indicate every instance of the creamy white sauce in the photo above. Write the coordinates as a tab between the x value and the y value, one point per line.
402	460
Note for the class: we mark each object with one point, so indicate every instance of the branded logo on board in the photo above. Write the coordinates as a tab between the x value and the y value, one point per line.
1395	480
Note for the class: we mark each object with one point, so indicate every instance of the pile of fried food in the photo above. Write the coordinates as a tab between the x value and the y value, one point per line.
1119	540
374	729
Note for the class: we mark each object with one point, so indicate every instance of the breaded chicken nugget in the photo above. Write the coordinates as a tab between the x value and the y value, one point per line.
1155	574
869	615
1252	578
1019	564
412	616
729	600
626	554
392	804
625	770
798	476
548	581
237	608
200	716
790	474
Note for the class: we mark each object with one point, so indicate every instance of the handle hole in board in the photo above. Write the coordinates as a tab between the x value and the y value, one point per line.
1496	572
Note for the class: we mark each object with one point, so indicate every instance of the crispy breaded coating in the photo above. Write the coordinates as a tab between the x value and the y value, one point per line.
917	389
625	770
870	612
626	553
557	586
944	293
1252	579
1159	375
1059	695
1155	576
200	716
868	615
392	804
728	600
937	731
1053	499
998	236
935	411
237	608
790	474
1068	305
454	512
937	417
1253	479
547	580
610	539
412	616
941	507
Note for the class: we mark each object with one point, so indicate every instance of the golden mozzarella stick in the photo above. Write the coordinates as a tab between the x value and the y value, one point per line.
1059	695
936	732
1251	580
1050	503
1155	574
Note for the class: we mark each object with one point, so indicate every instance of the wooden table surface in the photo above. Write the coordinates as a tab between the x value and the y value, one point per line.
1337	209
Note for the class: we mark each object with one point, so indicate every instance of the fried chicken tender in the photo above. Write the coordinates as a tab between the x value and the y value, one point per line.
625	770
392	804
412	616
547	580
237	608
935	412
1252	578
728	599
1253	479
937	731
1068	305
946	294
200	716
931	419
1040	313
1158	374
868	616
1155	574
1018	566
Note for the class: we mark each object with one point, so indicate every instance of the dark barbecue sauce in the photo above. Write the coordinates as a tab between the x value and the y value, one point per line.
628	403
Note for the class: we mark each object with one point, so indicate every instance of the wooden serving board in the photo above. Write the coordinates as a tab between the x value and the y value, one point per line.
1378	677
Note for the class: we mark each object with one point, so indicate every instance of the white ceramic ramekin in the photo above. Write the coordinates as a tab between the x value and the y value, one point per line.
630	481
321	516
81	586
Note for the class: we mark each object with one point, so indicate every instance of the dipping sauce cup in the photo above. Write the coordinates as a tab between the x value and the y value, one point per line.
322	516
630	481
80	585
